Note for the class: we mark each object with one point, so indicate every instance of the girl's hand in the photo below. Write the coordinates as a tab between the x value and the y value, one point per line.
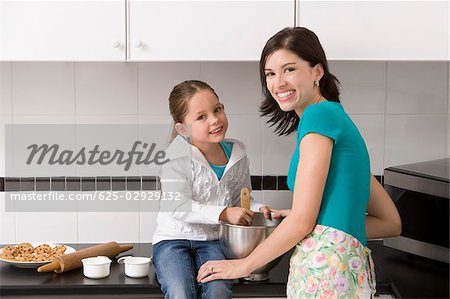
236	215
266	211
277	213
224	269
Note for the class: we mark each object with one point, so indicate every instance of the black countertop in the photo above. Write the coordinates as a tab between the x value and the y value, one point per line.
414	278
435	169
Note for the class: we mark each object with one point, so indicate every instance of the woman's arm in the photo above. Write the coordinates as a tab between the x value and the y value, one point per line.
382	218
310	182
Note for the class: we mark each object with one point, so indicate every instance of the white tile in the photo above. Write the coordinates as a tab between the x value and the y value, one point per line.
154	129
278	199
276	151
5	88
7	229
47	227
108	226
43	88
106	88
156	81
154	119
248	130
3	121
116	119
417	88
257	195
371	128
147	226
236	83
363	85
125	131
44	119
414	138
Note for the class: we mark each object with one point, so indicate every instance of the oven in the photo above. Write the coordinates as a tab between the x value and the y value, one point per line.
421	193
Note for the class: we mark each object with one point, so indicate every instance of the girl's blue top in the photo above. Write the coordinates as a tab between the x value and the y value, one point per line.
220	169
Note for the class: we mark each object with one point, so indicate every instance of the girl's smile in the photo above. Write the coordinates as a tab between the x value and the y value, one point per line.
206	120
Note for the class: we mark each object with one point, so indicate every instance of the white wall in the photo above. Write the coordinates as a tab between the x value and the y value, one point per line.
401	108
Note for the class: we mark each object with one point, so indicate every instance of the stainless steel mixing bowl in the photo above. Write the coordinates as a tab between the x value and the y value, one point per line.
238	241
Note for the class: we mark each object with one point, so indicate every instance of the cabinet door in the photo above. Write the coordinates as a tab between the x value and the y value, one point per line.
379	30
62	30
204	30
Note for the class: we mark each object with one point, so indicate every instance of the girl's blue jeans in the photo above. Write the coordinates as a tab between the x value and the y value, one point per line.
177	263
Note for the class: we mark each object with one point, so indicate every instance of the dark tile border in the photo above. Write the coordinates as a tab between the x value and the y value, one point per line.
150	183
269	182
27	184
43	184
12	184
103	183
88	184
282	183
134	183
121	183
256	182
58	183
118	183
73	183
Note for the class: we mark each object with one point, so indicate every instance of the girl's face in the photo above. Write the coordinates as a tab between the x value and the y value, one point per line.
290	80
206	119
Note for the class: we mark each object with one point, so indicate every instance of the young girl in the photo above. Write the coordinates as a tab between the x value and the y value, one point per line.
337	203
206	172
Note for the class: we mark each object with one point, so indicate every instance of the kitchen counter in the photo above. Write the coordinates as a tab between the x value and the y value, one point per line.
16	282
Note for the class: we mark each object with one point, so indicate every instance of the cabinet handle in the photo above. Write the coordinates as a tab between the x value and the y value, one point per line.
138	44
116	44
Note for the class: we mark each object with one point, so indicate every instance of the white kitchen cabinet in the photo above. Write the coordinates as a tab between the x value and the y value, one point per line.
63	30
204	30
104	30
378	30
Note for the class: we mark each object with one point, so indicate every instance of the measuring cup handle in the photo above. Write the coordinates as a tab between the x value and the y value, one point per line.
122	259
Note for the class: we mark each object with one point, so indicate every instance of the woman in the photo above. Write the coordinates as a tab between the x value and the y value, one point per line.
337	203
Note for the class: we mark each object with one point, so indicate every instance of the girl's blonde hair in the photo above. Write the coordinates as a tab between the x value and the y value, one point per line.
179	100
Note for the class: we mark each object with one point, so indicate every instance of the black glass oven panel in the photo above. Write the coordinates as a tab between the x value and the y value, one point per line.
424	217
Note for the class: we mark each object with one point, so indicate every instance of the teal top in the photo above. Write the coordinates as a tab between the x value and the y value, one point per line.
220	169
347	188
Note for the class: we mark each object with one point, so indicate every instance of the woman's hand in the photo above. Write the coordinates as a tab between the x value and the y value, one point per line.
236	215
224	269
267	211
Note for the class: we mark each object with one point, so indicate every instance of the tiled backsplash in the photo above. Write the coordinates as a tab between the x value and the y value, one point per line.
131	183
401	108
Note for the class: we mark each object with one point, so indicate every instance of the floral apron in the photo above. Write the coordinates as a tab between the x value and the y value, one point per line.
330	263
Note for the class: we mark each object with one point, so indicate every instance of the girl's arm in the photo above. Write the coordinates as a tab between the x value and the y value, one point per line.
382	218
177	186
310	182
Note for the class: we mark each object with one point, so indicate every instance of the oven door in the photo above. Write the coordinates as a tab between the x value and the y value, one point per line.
423	206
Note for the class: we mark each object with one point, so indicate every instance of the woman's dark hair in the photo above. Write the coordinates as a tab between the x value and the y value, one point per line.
305	44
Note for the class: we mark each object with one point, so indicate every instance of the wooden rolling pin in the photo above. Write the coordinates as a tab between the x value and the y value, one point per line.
72	260
245	198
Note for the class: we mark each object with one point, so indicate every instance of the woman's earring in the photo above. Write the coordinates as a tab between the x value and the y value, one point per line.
317	83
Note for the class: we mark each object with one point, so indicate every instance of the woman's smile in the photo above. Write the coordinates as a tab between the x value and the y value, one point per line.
285	95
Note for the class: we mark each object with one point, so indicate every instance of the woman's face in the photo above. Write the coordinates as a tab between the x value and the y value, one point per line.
290	80
206	119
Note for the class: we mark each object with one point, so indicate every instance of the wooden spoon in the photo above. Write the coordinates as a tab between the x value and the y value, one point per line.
245	198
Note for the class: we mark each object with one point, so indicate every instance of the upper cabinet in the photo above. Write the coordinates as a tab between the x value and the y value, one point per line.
139	30
204	30
379	30
62	30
